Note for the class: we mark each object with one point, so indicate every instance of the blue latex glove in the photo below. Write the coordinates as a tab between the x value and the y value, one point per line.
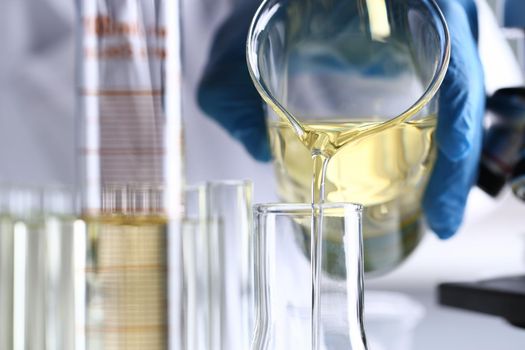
459	131
227	95
226	91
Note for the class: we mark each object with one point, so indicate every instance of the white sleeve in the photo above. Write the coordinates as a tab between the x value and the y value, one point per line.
499	63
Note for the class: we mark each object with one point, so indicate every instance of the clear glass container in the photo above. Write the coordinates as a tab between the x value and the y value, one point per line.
218	272
283	292
6	270
37	289
355	80
127	271
130	172
28	268
64	232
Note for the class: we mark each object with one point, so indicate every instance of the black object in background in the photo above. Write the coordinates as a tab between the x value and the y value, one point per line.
503	297
504	142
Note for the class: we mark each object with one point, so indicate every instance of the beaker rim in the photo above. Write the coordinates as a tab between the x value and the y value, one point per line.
305	209
430	91
219	183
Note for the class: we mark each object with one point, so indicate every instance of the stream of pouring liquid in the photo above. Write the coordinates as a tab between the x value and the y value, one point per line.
316	241
321	148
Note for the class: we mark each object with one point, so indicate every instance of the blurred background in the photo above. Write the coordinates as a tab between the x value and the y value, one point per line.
37	89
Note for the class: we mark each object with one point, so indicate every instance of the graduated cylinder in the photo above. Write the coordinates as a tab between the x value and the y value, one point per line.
130	171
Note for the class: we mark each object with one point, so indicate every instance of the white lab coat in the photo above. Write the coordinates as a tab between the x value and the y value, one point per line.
36	92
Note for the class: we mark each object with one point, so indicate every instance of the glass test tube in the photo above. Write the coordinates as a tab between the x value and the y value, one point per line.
37	289
64	233
218	278
6	271
196	284
29	268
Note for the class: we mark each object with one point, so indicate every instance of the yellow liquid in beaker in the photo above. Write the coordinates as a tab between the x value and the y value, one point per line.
383	167
127	279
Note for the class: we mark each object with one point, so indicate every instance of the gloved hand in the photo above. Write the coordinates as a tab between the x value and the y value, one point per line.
227	95
459	130
226	92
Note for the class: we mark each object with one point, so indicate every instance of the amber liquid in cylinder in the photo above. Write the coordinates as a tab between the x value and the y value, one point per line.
126	273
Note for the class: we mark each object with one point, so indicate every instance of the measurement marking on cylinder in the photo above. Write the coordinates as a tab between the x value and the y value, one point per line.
156	267
124	151
108	93
128	329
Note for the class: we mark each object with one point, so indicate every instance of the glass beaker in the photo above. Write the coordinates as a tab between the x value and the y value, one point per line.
218	277
365	74
283	281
